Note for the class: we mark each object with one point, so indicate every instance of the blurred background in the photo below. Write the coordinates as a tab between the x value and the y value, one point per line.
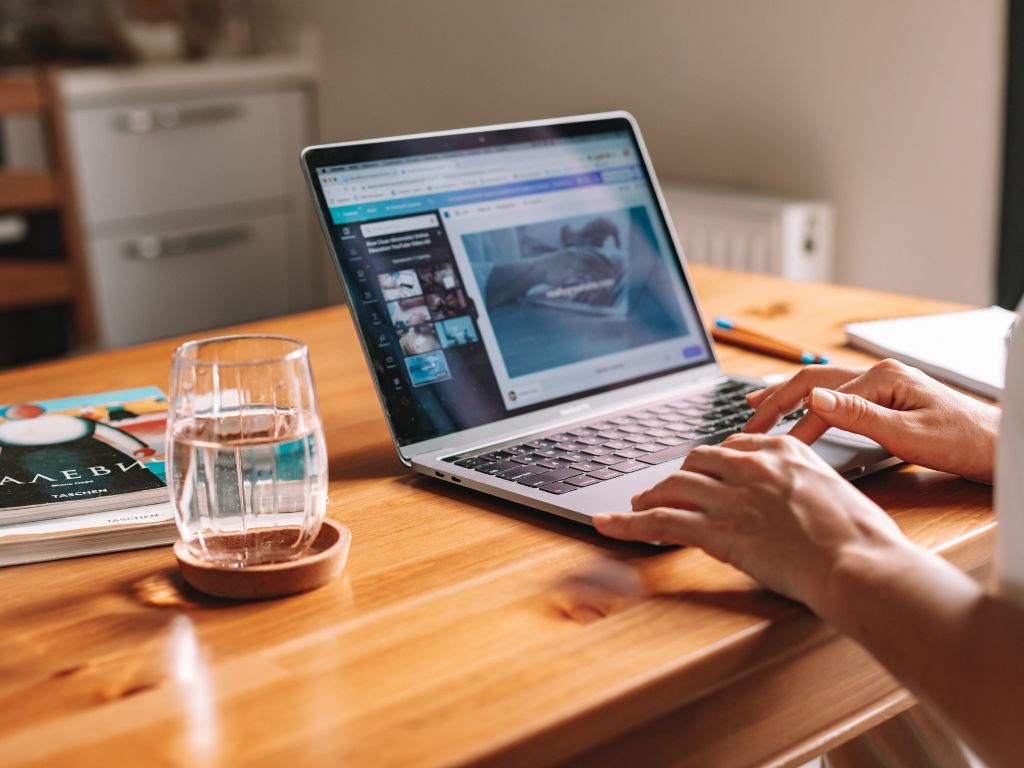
150	183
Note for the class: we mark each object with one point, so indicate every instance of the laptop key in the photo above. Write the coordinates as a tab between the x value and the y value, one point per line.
629	453
630	465
519	473
616	445
551	476
558	488
605	474
497	456
573	456
607	459
573	447
680	428
651	447
672	418
472	462
518	450
586	466
596	451
552	463
495	467
671	440
667	454
529	458
582	481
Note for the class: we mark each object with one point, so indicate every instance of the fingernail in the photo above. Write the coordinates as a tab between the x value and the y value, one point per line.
823	400
602	520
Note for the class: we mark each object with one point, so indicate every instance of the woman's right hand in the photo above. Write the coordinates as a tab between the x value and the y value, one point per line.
907	412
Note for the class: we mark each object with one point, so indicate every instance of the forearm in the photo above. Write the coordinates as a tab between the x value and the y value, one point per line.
954	646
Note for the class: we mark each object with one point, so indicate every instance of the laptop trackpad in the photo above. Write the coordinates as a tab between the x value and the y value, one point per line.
849	453
852	455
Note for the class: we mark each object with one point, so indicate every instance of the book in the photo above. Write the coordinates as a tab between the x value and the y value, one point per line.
87	534
82	455
965	348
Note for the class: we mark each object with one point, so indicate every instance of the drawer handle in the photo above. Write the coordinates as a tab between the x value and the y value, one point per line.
150	247
169	117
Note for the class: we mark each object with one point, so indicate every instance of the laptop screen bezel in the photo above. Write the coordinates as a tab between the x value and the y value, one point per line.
317	157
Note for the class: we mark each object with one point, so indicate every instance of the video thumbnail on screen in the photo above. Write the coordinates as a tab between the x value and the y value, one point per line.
573	289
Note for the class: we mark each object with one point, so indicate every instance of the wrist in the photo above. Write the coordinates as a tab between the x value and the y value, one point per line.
984	439
867	566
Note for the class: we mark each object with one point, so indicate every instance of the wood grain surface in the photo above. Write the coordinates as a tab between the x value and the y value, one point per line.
465	629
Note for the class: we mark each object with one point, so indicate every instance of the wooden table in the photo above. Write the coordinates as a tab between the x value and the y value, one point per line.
465	629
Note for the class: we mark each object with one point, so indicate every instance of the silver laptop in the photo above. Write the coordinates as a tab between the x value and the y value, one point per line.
524	308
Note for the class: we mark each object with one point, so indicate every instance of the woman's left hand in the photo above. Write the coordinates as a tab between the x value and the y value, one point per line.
768	505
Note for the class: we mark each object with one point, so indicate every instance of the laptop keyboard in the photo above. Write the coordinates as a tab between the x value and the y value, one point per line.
585	455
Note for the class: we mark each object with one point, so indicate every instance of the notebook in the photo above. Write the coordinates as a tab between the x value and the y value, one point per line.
965	348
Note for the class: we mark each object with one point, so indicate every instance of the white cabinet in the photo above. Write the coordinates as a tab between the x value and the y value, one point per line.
195	211
194	278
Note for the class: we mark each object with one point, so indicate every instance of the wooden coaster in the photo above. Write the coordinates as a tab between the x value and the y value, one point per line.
324	561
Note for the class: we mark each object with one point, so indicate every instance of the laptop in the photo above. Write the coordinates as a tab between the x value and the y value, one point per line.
524	308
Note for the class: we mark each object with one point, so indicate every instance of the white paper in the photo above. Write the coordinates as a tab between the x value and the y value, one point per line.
967	348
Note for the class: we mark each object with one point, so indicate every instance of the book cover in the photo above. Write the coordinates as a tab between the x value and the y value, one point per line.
88	448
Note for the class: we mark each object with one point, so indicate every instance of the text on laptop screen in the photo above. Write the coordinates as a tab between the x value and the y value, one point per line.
496	280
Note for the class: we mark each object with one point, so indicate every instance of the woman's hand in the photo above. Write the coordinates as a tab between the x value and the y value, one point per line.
769	506
908	413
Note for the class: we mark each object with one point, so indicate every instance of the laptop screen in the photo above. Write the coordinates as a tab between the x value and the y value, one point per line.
498	272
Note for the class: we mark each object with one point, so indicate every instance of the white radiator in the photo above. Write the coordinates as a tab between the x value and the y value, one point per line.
757	233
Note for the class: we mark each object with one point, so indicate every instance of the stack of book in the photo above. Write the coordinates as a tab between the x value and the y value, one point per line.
83	475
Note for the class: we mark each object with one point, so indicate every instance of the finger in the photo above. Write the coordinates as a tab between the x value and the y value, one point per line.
709	460
743	441
682	490
810	426
662	525
875	385
758	395
791	394
855	413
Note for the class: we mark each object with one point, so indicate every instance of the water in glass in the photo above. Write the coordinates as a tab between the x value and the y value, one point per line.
247	463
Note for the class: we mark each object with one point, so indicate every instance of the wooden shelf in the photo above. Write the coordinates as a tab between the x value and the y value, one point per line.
33	283
20	94
28	190
25	283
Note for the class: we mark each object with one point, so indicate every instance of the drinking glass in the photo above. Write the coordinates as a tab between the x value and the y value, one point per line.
247	466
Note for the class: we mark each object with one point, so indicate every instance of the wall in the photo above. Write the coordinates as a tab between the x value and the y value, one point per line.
891	109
